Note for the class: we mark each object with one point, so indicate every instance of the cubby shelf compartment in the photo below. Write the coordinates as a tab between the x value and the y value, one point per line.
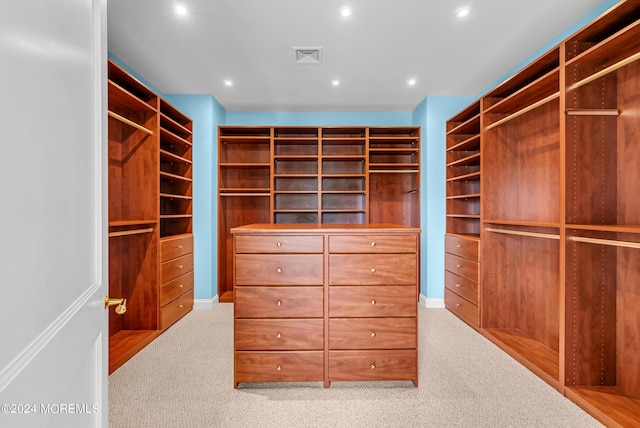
521	295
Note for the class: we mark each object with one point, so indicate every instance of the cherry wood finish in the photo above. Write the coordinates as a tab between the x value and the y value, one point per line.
392	364
463	210
278	366
560	216
314	175
149	150
133	214
293	303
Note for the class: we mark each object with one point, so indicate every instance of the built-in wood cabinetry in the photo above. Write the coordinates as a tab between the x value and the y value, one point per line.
325	302
149	204
314	175
560	216
462	240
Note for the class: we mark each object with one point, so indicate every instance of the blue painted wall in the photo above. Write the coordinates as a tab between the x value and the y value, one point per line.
318	118
431	115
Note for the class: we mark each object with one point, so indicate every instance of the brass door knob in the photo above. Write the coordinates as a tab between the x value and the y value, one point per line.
120	304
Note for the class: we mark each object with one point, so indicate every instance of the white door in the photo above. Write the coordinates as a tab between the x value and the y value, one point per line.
53	245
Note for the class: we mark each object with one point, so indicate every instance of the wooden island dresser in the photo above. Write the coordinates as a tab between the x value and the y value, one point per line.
325	302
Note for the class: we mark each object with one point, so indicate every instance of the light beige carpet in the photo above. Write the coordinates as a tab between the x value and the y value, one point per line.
185	379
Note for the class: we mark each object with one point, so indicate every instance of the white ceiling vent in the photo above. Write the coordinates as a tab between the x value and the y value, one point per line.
311	55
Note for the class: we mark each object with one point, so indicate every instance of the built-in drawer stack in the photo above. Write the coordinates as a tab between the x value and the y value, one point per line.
325	302
462	269
176	274
372	307
279	308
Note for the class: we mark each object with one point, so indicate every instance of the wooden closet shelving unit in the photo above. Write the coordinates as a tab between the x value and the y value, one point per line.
560	225
314	175
462	238
144	200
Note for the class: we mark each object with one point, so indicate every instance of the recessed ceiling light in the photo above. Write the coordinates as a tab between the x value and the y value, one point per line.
335	82
346	11
463	12
411	82
228	82
180	9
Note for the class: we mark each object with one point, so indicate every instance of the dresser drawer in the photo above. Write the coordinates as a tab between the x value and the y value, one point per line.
176	309
461	266
279	244
462	308
279	366
373	301
373	365
175	288
373	244
175	268
372	333
175	246
373	269
279	269
279	335
278	302
461	246
462	286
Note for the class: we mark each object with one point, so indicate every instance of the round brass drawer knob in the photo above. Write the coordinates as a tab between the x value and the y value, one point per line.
373	366
373	244
373	301
279	270
457	285
458	266
458	305
373	334
180	306
373	270
278	244
279	303
279	368
279	335
458	246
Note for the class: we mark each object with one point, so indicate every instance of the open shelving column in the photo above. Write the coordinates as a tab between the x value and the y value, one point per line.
462	240
133	214
244	191
521	217
602	291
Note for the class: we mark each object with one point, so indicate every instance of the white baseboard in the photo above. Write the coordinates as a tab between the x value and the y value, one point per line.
431	303
205	303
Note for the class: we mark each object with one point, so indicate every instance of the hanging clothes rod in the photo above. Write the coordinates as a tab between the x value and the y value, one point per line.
130	232
129	122
393	170
606	71
524	110
592	112
244	194
599	241
523	233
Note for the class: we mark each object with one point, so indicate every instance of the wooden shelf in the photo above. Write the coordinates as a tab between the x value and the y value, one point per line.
534	355
608	404
125	344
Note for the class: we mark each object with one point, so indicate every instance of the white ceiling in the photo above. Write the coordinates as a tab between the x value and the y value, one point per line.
373	53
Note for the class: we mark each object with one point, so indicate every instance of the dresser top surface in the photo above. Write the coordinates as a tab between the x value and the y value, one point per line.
324	228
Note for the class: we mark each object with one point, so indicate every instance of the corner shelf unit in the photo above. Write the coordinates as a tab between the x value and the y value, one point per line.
560	215
314	175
